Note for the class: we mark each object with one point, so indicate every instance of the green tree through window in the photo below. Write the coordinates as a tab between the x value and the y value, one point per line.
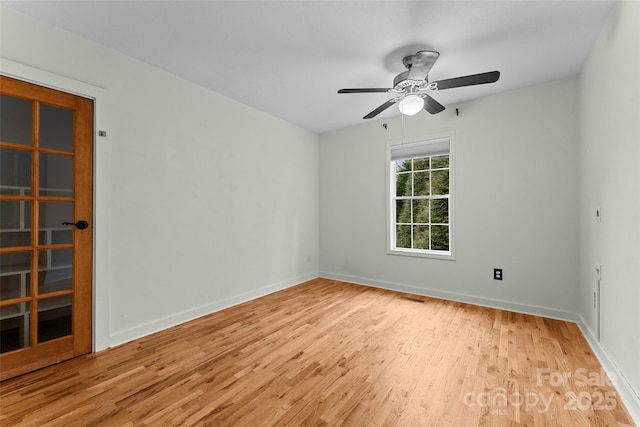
421	203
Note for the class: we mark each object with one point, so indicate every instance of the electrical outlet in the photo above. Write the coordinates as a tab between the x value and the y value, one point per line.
497	274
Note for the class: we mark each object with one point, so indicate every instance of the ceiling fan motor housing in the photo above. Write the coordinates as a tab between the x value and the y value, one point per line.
401	83
407	61
400	80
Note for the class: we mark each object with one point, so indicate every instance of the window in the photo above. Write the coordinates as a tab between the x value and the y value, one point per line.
420	191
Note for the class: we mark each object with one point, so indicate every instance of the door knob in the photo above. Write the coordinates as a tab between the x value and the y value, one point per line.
82	224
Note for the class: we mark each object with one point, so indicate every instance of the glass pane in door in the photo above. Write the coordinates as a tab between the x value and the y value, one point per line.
15	223
54	318
56	175
54	270
56	128
15	172
15	275
14	326
51	216
15	120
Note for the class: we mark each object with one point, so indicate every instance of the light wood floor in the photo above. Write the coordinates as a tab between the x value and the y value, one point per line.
328	353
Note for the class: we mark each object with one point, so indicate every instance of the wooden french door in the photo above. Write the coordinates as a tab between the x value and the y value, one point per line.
46	230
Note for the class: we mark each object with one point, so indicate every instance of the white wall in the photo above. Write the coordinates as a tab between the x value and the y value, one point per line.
610	178
210	202
516	202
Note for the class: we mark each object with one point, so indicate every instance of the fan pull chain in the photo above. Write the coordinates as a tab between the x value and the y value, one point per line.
402	129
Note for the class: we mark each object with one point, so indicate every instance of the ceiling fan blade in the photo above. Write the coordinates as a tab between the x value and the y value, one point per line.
470	80
365	90
421	64
380	109
432	106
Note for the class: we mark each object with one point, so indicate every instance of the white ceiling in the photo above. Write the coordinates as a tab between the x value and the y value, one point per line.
288	58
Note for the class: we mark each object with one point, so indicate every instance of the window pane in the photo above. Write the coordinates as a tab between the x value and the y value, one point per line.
15	172
421	184
54	270
14	326
403	211
421	211
403	184
440	182
54	318
403	236
15	120
440	211
421	200
403	165
56	175
15	223
421	164
440	237
52	215
56	128
421	237
439	162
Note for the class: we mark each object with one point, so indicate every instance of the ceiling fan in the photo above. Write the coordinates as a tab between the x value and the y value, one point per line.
412	87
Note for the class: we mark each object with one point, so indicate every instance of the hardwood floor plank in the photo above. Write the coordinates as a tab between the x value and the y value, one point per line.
328	353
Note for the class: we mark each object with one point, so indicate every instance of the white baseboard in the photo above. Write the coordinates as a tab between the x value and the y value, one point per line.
452	296
139	331
628	396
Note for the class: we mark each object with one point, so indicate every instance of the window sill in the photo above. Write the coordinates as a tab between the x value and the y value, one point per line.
446	256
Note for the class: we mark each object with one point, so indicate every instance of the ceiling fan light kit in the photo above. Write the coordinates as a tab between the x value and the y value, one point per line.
410	105
411	87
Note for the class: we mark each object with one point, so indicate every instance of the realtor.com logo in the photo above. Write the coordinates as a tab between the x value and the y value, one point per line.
499	399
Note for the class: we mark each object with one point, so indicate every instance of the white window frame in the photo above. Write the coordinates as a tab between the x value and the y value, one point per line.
417	147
